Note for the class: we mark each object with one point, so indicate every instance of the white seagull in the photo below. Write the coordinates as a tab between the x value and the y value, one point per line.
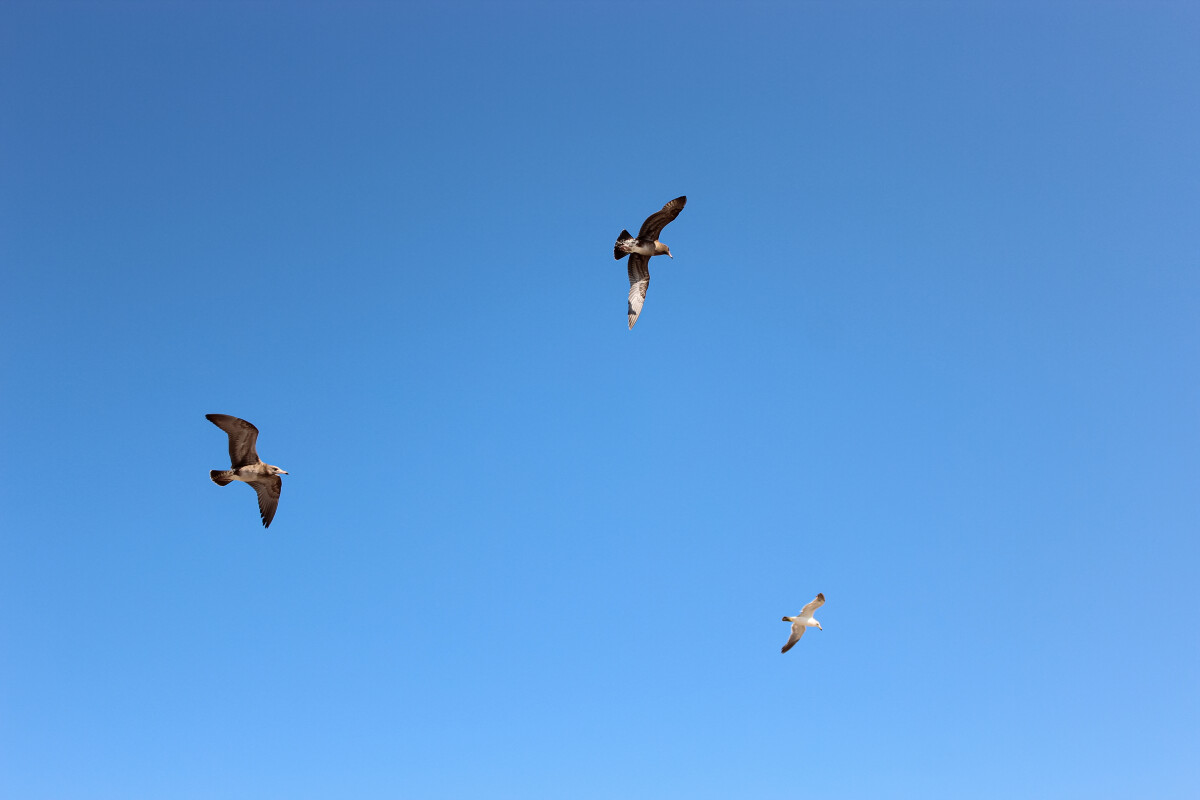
804	620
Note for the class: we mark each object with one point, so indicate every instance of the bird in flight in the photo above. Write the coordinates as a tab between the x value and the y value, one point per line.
247	466
641	248
803	620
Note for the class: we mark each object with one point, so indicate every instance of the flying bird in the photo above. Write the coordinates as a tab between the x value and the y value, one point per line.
641	248
803	620
247	466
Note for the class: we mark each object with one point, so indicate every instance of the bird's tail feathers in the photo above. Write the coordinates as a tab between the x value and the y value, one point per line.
785	619
221	477
619	253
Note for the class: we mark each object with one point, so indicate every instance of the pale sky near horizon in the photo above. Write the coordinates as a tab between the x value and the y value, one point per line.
928	344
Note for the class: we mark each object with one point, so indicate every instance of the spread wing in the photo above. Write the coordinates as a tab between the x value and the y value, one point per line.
639	280
797	632
816	603
269	489
654	223
242	437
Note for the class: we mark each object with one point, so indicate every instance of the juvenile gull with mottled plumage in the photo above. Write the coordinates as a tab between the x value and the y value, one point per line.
247	466
640	249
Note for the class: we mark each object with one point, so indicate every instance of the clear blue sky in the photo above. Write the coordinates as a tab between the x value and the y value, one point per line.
929	345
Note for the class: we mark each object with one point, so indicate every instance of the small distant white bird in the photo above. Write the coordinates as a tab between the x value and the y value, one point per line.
803	620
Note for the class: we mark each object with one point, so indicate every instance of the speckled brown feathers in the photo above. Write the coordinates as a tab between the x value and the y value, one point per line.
247	467
641	249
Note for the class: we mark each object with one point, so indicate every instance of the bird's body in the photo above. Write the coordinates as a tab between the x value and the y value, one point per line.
633	246
246	466
641	249
803	621
247	474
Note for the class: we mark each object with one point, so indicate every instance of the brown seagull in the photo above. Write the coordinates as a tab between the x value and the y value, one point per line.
247	466
640	250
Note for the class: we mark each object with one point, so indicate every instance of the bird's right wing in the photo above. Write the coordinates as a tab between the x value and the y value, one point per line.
639	280
268	489
816	603
654	223
797	632
242	438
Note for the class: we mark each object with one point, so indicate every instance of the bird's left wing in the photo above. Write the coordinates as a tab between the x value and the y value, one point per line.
268	489
242	438
816	603
639	281
654	223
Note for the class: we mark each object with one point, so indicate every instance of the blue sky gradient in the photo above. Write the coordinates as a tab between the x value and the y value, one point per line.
928	345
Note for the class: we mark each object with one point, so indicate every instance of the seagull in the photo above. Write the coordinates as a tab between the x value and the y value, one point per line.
247	466
803	620
640	250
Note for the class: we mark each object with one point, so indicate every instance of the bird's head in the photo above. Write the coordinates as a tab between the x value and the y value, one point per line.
276	470
819	626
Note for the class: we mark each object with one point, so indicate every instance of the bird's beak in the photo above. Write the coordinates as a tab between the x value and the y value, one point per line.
283	472
669	254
